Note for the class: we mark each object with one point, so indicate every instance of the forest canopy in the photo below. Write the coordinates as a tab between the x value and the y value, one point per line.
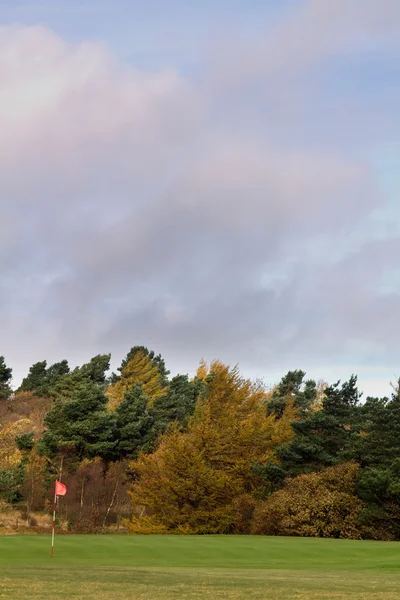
147	452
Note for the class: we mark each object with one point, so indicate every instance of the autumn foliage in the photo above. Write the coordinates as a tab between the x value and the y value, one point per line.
139	370
320	504
191	483
215	453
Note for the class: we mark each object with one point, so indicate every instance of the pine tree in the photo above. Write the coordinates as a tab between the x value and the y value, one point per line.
5	379
35	378
178	404
134	425
96	369
378	451
42	380
293	390
324	437
82	423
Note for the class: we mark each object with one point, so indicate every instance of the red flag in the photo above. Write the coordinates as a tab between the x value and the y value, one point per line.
61	490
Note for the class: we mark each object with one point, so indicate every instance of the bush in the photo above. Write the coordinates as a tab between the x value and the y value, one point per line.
320	504
243	508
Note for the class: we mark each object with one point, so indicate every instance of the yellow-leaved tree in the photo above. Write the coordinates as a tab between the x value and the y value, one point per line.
10	456
140	369
33	488
193	481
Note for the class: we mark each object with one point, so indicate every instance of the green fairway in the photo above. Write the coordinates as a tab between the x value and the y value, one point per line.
166	567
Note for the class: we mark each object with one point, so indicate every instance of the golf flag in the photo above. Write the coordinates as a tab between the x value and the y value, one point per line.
61	489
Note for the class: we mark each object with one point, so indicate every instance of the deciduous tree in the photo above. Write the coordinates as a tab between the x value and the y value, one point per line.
191	481
140	369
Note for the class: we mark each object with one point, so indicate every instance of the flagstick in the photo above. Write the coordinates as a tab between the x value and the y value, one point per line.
59	490
55	508
54	523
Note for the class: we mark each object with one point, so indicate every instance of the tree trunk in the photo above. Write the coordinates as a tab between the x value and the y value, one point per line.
82	490
109	507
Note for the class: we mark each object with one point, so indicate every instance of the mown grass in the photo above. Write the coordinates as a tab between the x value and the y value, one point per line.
213	567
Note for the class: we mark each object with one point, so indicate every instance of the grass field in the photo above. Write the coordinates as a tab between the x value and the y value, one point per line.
212	567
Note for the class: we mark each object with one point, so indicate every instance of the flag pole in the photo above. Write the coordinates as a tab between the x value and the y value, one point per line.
54	521
59	490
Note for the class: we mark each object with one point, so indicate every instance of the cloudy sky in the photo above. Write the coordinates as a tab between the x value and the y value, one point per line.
210	179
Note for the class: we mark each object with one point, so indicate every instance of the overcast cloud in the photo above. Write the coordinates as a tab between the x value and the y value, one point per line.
238	213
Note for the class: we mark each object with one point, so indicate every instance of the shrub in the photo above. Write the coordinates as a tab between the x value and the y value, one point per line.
320	504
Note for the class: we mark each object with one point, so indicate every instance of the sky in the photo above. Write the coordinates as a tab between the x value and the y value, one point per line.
215	179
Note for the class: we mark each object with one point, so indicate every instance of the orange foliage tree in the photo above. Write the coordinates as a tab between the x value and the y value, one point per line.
193	481
140	370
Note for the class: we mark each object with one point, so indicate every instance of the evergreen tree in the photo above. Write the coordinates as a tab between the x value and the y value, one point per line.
93	372
36	377
134	425
11	481
323	438
178	404
378	452
42	380
5	379
96	369
80	422
292	389
54	374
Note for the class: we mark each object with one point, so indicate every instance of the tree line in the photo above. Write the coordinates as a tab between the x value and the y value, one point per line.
144	452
